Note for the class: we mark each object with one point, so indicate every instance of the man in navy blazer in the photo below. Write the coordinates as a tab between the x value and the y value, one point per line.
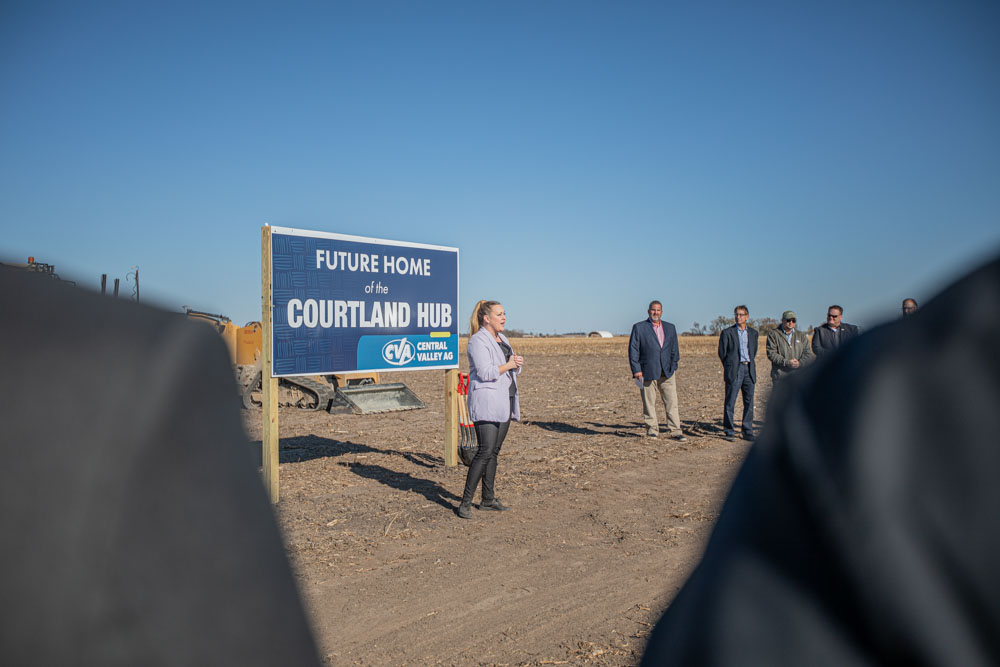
653	355
737	349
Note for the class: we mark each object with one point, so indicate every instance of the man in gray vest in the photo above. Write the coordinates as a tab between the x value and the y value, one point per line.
787	348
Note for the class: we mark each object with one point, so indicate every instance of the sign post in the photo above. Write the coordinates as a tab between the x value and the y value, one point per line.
451	399
268	383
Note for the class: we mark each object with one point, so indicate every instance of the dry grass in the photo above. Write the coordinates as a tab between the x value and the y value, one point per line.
695	346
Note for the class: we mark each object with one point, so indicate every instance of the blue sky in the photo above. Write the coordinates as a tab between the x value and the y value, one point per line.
585	157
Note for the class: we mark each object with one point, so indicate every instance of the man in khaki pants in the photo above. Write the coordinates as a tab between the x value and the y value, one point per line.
653	357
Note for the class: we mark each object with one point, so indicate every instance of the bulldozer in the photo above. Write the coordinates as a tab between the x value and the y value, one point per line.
346	393
37	267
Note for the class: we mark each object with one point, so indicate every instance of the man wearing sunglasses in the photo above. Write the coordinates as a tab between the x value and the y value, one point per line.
787	348
833	333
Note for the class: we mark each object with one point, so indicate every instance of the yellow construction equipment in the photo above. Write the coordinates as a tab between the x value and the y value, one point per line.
248	343
36	267
358	393
222	324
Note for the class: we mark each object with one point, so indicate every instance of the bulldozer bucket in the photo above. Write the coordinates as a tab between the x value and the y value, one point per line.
372	398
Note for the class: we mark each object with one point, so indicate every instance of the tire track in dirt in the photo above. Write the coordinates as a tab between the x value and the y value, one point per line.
523	581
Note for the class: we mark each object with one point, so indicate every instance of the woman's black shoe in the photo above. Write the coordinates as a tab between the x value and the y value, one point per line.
495	505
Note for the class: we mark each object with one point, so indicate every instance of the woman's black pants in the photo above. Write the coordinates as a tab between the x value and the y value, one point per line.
484	465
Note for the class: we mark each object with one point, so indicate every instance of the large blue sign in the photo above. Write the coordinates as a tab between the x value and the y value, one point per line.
347	303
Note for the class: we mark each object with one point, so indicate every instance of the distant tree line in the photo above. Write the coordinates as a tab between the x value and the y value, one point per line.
521	333
715	327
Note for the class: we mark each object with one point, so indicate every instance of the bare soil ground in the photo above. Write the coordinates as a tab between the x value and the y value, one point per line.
606	523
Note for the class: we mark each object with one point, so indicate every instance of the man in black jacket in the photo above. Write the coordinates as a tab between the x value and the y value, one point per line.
862	528
737	350
833	333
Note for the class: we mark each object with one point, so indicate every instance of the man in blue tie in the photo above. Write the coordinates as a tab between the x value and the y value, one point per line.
737	349
653	355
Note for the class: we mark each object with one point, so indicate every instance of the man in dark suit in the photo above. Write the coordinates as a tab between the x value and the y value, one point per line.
737	349
833	333
653	355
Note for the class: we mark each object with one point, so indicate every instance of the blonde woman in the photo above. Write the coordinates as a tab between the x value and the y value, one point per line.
492	400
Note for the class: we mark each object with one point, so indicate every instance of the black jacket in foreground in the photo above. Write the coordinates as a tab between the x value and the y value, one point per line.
864	526
136	528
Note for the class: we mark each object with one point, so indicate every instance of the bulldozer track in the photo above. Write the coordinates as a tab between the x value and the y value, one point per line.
323	392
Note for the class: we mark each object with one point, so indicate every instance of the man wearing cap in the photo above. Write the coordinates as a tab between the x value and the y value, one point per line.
833	333
787	348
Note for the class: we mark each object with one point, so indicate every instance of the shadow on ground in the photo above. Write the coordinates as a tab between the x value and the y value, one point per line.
404	482
620	430
713	427
309	447
636	429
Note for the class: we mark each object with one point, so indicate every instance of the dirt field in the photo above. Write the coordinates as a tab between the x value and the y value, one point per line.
605	522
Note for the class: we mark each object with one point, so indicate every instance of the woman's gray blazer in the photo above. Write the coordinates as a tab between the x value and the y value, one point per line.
489	390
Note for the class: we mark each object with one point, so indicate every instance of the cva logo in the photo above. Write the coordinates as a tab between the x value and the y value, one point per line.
398	352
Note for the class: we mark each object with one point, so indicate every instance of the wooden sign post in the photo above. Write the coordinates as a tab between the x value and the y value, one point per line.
451	399
268	383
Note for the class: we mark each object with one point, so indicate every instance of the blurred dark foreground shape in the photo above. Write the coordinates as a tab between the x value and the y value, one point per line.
864	526
136	529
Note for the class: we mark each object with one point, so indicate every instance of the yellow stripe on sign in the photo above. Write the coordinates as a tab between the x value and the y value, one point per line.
440	334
